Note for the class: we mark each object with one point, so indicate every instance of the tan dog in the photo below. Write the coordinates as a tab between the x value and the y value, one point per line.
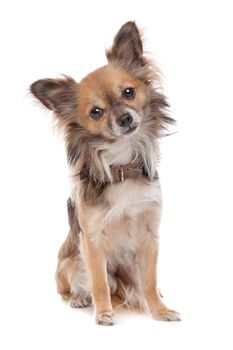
112	121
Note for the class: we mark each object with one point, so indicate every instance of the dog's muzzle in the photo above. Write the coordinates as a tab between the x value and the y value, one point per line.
127	123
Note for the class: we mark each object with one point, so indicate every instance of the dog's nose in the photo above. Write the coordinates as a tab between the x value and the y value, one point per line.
125	120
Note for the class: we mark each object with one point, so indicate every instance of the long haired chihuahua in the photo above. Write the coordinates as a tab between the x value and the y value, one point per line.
112	122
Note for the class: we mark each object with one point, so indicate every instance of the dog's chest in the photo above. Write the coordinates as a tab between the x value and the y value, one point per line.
126	219
131	198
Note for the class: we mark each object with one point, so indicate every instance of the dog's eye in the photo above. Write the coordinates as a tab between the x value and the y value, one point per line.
96	113
128	93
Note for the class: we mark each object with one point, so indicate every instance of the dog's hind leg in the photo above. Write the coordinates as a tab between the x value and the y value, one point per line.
72	282
71	275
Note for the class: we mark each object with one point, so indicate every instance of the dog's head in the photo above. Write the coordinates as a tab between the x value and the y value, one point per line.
115	114
116	102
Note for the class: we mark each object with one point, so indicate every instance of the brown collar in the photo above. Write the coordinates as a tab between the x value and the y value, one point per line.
126	171
120	173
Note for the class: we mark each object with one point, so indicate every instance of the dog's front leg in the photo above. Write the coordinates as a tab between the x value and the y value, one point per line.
97	269
148	269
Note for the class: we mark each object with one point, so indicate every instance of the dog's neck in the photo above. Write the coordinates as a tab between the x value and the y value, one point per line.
119	173
112	163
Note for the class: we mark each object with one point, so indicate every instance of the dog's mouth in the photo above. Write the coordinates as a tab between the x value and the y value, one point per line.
130	130
119	131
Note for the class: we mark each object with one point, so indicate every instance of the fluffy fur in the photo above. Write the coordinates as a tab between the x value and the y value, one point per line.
110	255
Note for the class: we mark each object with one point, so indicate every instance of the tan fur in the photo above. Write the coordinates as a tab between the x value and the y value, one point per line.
129	240
109	258
93	89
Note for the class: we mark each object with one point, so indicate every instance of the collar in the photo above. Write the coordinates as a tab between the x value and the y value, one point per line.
120	173
126	171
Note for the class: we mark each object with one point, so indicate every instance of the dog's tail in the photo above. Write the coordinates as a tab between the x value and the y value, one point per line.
127	297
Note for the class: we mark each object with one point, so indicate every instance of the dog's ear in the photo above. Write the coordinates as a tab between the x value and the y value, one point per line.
59	95
127	46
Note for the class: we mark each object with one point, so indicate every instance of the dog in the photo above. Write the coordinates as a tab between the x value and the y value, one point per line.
112	121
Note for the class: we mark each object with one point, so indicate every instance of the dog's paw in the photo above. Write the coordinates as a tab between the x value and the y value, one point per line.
80	301
167	315
105	318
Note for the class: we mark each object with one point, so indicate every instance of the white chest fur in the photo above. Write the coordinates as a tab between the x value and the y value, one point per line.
131	197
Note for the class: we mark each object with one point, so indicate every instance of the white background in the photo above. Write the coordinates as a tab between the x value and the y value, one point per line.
192	41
